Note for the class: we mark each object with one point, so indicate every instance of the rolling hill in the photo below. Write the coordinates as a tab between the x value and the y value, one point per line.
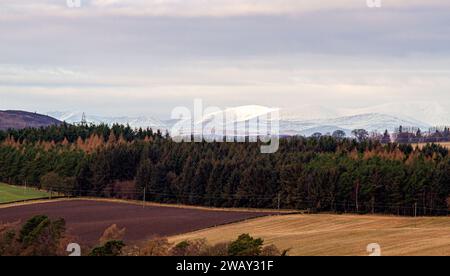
21	119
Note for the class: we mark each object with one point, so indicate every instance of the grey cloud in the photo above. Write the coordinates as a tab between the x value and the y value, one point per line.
146	41
239	59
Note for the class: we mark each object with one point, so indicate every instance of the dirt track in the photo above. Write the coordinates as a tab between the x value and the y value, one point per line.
88	219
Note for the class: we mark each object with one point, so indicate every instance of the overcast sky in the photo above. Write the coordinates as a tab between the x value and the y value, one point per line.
130	57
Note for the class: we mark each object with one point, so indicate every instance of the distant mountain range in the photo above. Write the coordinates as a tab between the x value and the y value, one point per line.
309	119
134	122
21	119
305	120
430	113
370	122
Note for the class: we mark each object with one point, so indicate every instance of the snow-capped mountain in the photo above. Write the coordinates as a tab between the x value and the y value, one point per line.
370	122
238	121
309	112
255	120
375	118
239	114
431	113
305	120
134	122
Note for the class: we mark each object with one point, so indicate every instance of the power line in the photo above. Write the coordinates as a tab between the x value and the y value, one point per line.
326	201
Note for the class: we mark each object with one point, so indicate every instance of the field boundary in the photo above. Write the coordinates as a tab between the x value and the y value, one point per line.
16	194
32	199
184	206
149	204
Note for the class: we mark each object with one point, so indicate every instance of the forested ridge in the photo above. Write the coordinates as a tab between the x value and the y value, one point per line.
317	174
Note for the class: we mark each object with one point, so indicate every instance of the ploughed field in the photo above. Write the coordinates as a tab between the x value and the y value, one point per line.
87	219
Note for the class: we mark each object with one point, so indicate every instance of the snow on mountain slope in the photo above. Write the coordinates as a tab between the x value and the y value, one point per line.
305	120
431	113
371	122
293	125
134	122
231	122
309	112
323	129
239	114
66	116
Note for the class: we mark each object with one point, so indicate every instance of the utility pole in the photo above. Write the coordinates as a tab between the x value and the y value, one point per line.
143	198
278	201
415	215
373	205
357	194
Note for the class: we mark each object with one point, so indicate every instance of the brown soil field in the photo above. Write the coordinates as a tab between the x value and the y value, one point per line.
87	219
331	235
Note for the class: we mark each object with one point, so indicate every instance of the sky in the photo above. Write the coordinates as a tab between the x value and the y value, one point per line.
146	57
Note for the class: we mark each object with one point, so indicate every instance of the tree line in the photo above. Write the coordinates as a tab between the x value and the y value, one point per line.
416	135
317	174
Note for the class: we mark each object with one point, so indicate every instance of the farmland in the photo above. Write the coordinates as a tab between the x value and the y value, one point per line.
325	234
421	145
304	235
9	193
87	219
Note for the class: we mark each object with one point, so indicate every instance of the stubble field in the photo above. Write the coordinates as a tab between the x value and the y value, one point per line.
328	235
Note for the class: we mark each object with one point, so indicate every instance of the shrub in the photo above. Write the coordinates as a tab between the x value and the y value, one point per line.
112	233
39	236
109	249
217	250
190	248
246	245
156	247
